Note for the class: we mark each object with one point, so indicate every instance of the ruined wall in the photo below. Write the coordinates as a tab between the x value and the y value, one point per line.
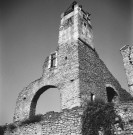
94	75
64	77
127	54
76	77
76	70
67	122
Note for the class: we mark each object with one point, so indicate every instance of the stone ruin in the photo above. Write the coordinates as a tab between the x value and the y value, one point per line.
76	70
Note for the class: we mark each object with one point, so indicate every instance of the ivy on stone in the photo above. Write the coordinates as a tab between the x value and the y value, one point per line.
100	118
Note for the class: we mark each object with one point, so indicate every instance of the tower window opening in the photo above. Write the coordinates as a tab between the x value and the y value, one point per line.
52	60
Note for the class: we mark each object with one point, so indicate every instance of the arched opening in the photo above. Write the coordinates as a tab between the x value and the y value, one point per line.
111	94
46	99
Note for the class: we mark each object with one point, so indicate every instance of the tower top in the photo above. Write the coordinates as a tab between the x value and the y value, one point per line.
71	9
75	25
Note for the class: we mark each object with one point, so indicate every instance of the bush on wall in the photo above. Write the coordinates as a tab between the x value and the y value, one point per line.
2	129
100	117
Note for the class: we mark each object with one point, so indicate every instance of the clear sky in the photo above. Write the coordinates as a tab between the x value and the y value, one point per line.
30	33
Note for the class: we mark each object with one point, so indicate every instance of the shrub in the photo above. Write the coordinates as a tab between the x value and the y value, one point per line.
2	129
100	116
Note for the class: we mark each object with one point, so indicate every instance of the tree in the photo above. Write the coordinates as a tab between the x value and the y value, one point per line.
99	118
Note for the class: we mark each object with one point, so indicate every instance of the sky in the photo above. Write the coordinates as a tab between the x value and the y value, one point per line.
29	33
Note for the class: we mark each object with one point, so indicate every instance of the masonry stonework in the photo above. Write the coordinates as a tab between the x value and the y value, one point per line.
69	122
76	70
127	53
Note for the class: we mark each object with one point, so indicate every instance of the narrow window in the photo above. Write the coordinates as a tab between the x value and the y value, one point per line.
92	97
52	60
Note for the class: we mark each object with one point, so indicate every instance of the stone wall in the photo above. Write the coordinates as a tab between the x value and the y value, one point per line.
79	75
78	72
83	73
94	75
125	110
67	122
127	54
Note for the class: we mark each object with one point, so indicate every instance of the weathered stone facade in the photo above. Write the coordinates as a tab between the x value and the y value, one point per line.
67	122
79	74
75	69
127	53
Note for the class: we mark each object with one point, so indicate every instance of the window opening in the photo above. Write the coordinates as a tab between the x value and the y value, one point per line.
92	97
52	60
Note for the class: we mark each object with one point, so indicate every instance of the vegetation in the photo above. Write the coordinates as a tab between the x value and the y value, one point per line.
100	117
9	127
12	126
2	129
33	119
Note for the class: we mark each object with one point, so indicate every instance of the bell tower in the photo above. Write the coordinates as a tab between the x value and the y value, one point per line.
75	34
75	25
